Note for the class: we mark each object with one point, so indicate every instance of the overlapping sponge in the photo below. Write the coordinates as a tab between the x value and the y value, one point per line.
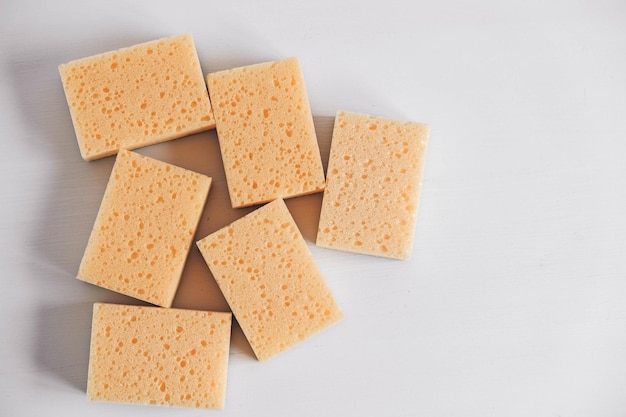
270	280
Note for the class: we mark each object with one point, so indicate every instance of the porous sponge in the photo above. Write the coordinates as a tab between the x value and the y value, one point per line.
136	96
373	185
266	132
158	356
270	280
144	228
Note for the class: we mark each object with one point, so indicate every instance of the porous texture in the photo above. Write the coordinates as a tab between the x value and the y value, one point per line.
373	184
266	132
136	96
269	278
144	228
151	355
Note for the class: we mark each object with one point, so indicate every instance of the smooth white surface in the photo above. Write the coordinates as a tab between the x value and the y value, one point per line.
514	303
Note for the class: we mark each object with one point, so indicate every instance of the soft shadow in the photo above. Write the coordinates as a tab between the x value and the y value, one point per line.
324	129
239	344
64	350
305	211
63	338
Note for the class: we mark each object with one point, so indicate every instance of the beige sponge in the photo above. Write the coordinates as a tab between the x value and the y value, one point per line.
373	185
151	355
270	280
136	96
144	228
266	132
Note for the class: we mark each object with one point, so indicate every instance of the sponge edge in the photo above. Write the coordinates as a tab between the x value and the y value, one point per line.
266	132
144	228
136	96
373	184
270	280
151	355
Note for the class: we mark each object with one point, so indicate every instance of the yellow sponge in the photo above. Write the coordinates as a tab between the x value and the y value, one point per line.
373	184
270	280
266	132
144	228
136	96
151	355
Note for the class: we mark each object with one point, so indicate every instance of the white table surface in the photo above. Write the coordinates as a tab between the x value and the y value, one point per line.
514	301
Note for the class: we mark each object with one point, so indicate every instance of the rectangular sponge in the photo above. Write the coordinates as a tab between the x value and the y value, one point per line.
151	355
372	186
136	96
144	228
266	132
270	280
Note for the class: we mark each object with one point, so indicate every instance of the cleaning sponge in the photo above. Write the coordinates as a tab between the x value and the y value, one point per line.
266	132
159	356
136	96
144	228
270	280
373	185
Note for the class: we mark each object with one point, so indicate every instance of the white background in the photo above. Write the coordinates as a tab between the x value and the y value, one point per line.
514	301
